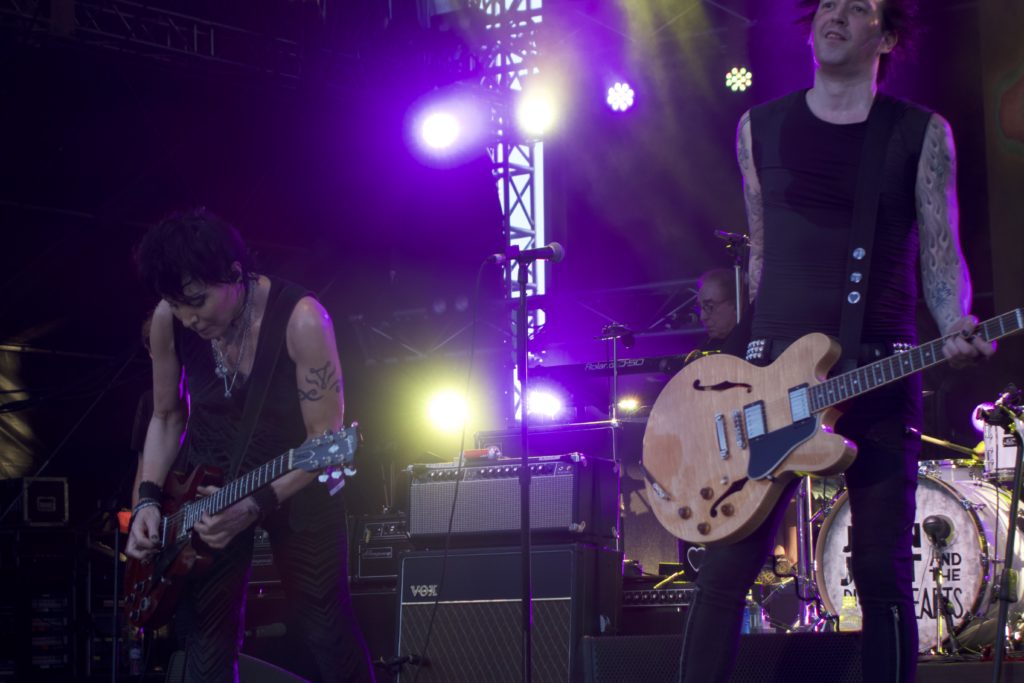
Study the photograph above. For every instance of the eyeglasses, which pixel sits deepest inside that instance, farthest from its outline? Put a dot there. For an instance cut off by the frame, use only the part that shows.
(709, 306)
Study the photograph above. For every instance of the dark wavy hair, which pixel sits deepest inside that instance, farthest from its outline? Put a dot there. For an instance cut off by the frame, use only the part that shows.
(191, 245)
(899, 17)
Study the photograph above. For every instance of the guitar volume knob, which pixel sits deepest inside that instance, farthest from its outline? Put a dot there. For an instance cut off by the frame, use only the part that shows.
(704, 528)
(685, 512)
(707, 493)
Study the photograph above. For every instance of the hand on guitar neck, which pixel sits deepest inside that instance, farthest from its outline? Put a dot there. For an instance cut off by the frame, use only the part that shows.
(962, 347)
(216, 531)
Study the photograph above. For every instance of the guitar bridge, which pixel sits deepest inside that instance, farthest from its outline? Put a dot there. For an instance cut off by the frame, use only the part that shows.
(723, 441)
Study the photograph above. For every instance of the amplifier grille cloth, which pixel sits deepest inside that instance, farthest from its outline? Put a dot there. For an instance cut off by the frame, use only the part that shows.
(491, 506)
(473, 642)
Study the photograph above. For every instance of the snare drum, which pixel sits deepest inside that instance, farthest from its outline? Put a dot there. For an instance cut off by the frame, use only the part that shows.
(1000, 454)
(950, 471)
(978, 512)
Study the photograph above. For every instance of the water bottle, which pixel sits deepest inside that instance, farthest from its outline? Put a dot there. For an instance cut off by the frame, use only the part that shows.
(849, 614)
(753, 617)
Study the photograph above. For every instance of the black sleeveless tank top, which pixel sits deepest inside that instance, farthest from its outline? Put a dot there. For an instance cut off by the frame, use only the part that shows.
(808, 174)
(214, 420)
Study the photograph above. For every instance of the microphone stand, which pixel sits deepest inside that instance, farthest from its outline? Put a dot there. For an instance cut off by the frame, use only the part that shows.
(524, 475)
(1003, 416)
(944, 618)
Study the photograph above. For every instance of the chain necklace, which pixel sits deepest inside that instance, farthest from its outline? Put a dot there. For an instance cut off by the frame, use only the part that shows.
(220, 358)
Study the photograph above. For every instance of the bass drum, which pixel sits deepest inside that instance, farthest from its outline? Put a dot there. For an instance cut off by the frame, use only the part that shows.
(978, 512)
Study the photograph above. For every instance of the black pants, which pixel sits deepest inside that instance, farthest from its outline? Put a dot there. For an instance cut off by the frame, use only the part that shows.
(308, 539)
(882, 482)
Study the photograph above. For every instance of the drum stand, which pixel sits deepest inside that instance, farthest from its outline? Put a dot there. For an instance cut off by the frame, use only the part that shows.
(939, 532)
(1006, 413)
(812, 617)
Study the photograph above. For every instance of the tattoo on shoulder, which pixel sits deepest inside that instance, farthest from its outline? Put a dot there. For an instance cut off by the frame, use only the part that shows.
(320, 381)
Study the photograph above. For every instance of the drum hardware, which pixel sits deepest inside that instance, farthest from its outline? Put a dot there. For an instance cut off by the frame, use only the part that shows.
(939, 530)
(1006, 413)
(812, 616)
(971, 559)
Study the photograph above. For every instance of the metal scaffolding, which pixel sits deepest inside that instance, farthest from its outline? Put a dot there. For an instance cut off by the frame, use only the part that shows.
(511, 55)
(159, 33)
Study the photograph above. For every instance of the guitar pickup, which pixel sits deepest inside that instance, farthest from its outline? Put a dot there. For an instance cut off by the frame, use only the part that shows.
(799, 403)
(753, 416)
(723, 441)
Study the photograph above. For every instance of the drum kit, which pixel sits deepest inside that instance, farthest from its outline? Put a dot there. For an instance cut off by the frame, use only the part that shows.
(959, 539)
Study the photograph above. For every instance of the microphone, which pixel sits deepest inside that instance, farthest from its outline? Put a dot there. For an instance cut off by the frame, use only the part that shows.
(553, 252)
(938, 529)
(732, 237)
(996, 415)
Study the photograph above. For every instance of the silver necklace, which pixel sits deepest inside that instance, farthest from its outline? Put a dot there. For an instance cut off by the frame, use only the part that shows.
(220, 359)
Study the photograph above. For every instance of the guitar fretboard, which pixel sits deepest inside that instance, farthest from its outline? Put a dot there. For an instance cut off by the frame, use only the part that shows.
(856, 382)
(181, 522)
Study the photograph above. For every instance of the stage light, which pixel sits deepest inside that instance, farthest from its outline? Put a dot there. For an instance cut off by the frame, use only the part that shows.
(739, 79)
(536, 111)
(448, 126)
(544, 403)
(447, 411)
(620, 97)
(439, 130)
(629, 404)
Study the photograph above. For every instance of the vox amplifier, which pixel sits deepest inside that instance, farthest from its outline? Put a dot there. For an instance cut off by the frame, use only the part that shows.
(572, 498)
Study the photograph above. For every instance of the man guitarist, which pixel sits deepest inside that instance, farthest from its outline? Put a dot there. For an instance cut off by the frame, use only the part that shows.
(799, 157)
(230, 336)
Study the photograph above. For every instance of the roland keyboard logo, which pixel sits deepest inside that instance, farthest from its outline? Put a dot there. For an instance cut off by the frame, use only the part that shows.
(426, 590)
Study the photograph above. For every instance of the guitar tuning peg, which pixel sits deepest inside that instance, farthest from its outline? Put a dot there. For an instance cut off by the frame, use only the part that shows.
(350, 471)
(322, 477)
(354, 425)
(335, 474)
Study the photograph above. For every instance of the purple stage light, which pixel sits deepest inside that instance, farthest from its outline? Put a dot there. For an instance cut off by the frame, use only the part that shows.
(448, 126)
(544, 403)
(440, 130)
(620, 97)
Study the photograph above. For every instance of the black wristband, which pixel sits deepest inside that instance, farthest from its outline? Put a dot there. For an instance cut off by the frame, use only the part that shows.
(266, 500)
(151, 490)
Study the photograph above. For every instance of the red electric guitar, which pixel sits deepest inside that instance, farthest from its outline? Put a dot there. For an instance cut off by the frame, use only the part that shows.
(152, 590)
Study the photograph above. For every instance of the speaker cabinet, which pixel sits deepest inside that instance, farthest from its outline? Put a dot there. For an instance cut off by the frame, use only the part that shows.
(472, 614)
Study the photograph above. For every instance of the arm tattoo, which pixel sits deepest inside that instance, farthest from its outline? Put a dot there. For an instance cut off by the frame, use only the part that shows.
(753, 201)
(742, 152)
(321, 381)
(944, 276)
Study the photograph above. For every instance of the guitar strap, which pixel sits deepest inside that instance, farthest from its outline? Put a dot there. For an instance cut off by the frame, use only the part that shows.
(881, 122)
(275, 324)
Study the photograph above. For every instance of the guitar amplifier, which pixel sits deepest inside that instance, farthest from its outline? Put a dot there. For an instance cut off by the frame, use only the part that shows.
(378, 541)
(462, 611)
(572, 498)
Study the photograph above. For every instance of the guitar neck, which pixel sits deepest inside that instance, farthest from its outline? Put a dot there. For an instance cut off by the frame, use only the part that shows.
(231, 493)
(897, 366)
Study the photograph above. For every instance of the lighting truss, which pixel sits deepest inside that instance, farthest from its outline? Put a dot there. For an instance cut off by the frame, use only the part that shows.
(511, 54)
(155, 32)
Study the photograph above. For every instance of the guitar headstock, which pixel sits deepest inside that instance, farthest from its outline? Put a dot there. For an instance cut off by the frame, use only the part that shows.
(328, 450)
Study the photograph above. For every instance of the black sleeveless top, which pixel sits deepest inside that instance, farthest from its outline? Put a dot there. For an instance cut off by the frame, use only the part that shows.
(214, 421)
(808, 174)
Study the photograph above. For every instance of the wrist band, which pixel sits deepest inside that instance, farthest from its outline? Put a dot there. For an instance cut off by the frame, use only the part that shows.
(143, 504)
(151, 490)
(266, 500)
